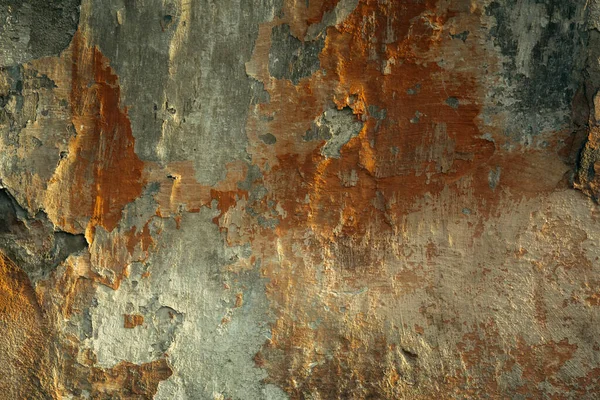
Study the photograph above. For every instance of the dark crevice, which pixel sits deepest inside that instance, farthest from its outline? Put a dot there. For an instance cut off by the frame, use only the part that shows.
(31, 241)
(410, 355)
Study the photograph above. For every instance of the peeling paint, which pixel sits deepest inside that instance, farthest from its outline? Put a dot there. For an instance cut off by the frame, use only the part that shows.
(299, 199)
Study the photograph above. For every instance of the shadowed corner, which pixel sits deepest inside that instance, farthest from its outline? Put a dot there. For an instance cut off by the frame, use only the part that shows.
(32, 242)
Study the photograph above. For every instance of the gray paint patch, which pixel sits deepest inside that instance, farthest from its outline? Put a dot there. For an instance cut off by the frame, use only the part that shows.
(268, 138)
(414, 90)
(31, 241)
(453, 102)
(291, 58)
(336, 127)
(35, 28)
(461, 36)
(331, 18)
(542, 44)
(416, 118)
(191, 312)
(494, 178)
(188, 84)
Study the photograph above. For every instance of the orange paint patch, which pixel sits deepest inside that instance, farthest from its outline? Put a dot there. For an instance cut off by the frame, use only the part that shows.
(102, 173)
(239, 300)
(24, 361)
(421, 137)
(141, 237)
(139, 381)
(180, 191)
(130, 321)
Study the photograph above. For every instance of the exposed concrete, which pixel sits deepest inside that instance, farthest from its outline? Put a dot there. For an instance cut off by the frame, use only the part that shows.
(543, 47)
(32, 242)
(35, 28)
(336, 127)
(331, 18)
(291, 58)
(191, 98)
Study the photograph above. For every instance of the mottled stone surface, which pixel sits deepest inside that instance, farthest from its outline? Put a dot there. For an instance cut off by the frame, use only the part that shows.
(281, 199)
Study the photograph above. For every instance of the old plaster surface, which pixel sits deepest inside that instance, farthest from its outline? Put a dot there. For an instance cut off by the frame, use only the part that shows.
(281, 199)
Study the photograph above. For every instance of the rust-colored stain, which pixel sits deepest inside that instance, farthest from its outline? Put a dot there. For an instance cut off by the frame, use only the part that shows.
(396, 161)
(429, 209)
(422, 139)
(239, 300)
(180, 191)
(102, 172)
(141, 237)
(130, 321)
(422, 146)
(24, 360)
(129, 381)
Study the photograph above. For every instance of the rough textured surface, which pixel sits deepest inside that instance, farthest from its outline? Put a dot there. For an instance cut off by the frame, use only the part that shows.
(281, 199)
(35, 28)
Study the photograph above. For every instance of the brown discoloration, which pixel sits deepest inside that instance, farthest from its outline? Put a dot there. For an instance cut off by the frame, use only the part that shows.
(436, 257)
(180, 191)
(24, 360)
(351, 223)
(142, 237)
(129, 381)
(102, 172)
(239, 300)
(541, 363)
(537, 364)
(416, 152)
(130, 321)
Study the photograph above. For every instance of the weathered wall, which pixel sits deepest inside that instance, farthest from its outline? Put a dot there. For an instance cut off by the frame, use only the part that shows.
(320, 199)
